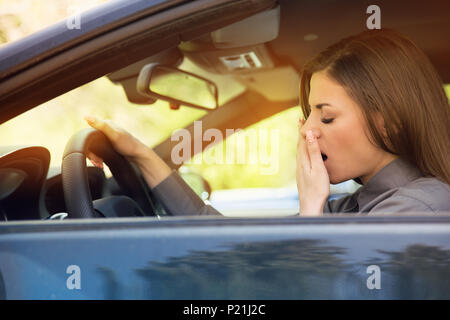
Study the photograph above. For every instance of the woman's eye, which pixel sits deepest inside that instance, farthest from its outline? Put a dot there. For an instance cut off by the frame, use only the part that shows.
(329, 120)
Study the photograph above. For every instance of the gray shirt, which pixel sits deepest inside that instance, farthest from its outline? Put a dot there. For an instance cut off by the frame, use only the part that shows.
(397, 188)
(179, 199)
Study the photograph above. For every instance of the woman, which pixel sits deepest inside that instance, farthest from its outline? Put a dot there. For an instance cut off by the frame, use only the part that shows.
(375, 112)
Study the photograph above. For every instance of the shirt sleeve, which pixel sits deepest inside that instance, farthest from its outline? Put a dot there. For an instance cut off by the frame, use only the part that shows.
(179, 199)
(346, 204)
(399, 204)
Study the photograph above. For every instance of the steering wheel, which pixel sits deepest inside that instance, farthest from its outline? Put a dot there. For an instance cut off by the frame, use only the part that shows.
(77, 194)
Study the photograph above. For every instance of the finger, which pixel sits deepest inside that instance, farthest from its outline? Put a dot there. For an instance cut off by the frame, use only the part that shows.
(302, 153)
(95, 160)
(301, 122)
(313, 150)
(92, 121)
(104, 126)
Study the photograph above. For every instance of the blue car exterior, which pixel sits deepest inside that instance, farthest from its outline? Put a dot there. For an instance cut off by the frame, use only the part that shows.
(217, 258)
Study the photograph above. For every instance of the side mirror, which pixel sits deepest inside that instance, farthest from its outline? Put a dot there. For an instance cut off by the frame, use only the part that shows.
(177, 87)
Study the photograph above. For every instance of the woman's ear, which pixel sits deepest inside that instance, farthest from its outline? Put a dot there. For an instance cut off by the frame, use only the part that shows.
(381, 128)
(380, 125)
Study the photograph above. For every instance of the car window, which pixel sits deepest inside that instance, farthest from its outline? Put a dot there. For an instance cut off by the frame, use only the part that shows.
(262, 155)
(270, 165)
(259, 176)
(53, 123)
(271, 168)
(264, 183)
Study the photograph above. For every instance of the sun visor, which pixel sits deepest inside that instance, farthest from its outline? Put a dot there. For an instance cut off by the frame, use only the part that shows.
(259, 28)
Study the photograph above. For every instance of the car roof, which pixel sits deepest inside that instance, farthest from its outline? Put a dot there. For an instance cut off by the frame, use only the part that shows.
(58, 37)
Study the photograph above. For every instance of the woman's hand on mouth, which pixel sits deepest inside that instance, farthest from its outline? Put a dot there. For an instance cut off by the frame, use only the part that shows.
(313, 182)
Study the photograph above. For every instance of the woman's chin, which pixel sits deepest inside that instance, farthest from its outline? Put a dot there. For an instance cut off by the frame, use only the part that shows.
(336, 180)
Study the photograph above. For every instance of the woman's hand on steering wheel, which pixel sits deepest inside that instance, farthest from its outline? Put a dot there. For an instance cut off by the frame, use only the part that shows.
(122, 141)
(152, 167)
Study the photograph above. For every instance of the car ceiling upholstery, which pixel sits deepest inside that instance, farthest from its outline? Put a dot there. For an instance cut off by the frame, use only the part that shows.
(425, 22)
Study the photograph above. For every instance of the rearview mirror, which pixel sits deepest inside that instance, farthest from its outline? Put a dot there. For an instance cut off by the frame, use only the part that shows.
(177, 87)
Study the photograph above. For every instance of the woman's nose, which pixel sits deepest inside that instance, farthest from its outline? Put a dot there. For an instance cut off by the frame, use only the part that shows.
(309, 125)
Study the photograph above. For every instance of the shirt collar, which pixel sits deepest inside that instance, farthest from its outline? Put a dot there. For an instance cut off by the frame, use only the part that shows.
(395, 174)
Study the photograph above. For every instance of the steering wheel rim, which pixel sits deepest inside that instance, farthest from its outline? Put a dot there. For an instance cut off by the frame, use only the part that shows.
(77, 194)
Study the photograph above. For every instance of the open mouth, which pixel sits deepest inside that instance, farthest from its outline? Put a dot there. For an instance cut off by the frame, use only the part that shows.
(324, 157)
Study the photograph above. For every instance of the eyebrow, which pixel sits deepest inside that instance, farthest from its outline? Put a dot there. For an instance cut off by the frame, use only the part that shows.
(320, 105)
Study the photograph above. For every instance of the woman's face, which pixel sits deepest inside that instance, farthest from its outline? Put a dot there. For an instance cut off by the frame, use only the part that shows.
(338, 123)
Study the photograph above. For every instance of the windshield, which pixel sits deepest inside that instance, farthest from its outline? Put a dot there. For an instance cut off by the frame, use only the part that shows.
(52, 123)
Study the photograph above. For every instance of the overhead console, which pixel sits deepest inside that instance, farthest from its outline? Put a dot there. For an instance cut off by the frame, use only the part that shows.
(237, 51)
(231, 61)
(237, 48)
(240, 51)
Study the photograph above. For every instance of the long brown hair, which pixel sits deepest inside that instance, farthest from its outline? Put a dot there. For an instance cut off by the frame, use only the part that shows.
(388, 75)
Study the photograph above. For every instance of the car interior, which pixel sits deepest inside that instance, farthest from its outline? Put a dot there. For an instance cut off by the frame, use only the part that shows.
(256, 47)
